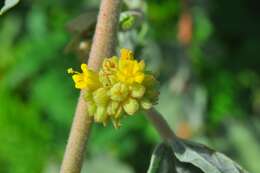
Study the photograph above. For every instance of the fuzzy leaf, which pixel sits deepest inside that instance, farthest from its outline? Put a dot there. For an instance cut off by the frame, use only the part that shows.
(164, 161)
(7, 5)
(191, 157)
(204, 158)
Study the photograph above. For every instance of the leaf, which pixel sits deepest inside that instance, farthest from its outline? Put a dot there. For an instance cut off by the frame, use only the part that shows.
(164, 161)
(191, 157)
(161, 160)
(7, 5)
(204, 158)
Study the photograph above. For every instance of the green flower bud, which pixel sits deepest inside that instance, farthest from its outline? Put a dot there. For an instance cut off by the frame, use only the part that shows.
(100, 114)
(128, 22)
(104, 79)
(137, 91)
(130, 19)
(112, 79)
(118, 92)
(112, 108)
(131, 106)
(152, 94)
(88, 96)
(100, 96)
(146, 104)
(92, 107)
(150, 81)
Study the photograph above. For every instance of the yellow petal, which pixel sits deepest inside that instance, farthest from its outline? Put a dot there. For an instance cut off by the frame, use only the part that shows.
(141, 65)
(80, 85)
(79, 81)
(139, 78)
(126, 54)
(84, 68)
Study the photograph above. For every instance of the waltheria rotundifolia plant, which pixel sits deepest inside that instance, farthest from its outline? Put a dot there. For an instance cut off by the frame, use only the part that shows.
(137, 91)
(103, 46)
(112, 87)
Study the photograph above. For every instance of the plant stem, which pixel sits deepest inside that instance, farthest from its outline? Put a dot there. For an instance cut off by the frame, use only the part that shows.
(103, 46)
(161, 125)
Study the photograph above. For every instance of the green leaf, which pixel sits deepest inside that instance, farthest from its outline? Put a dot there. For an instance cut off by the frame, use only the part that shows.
(164, 161)
(204, 158)
(7, 5)
(191, 157)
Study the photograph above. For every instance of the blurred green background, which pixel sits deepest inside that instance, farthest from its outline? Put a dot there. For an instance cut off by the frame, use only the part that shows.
(206, 57)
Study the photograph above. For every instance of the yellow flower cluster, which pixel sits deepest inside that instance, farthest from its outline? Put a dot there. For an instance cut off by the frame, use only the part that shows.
(121, 87)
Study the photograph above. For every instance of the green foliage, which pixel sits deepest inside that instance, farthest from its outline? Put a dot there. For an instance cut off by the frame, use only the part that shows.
(188, 157)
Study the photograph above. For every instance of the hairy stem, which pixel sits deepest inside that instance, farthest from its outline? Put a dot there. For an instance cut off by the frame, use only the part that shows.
(161, 125)
(103, 46)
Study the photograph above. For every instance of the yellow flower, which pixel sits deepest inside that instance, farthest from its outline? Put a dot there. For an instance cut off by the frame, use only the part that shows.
(109, 65)
(130, 71)
(108, 70)
(121, 87)
(88, 79)
(126, 54)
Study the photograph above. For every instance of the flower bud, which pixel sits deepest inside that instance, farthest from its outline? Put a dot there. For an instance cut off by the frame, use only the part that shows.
(118, 92)
(110, 64)
(112, 107)
(131, 106)
(100, 96)
(137, 90)
(92, 107)
(146, 104)
(150, 81)
(100, 114)
(127, 22)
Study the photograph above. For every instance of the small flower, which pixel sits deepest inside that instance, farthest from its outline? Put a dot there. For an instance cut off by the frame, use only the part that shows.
(126, 54)
(121, 87)
(130, 71)
(108, 70)
(88, 79)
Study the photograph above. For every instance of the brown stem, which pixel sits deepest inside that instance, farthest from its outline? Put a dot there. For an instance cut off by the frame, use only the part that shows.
(103, 46)
(161, 125)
